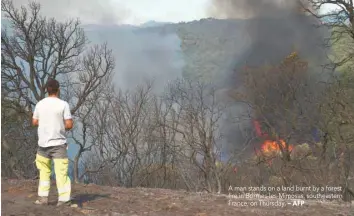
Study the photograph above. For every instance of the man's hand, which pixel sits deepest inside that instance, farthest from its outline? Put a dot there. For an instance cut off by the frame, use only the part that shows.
(35, 117)
(68, 124)
(35, 122)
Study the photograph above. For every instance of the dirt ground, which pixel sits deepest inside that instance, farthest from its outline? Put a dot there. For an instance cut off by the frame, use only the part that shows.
(17, 198)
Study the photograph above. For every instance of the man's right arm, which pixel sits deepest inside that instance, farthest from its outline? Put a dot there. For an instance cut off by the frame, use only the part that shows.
(35, 117)
(68, 121)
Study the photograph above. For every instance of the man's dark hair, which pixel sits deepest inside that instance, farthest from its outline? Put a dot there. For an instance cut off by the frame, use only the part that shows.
(52, 86)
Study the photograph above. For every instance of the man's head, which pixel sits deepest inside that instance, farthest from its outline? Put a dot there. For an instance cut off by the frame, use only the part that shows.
(52, 87)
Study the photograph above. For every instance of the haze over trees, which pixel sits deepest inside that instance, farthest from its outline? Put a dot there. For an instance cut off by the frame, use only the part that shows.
(289, 116)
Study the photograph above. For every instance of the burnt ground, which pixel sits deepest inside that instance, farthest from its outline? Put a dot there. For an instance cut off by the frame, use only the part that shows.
(17, 198)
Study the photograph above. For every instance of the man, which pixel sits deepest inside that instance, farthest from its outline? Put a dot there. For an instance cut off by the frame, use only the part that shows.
(52, 116)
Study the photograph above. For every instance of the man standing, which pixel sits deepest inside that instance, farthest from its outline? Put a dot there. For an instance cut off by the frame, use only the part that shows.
(52, 116)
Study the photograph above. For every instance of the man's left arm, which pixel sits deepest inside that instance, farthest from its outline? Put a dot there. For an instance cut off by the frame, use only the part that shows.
(68, 121)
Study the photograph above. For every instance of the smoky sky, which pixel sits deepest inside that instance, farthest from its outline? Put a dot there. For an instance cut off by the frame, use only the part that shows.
(88, 11)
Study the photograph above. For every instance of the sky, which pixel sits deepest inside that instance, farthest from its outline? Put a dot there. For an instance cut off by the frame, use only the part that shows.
(166, 10)
(134, 12)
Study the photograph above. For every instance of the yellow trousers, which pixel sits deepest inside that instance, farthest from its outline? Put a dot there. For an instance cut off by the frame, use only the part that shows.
(61, 167)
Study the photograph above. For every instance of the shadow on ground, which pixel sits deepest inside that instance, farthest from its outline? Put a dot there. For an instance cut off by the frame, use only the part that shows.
(83, 198)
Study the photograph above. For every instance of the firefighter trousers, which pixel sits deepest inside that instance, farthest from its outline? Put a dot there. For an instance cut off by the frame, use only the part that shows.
(61, 165)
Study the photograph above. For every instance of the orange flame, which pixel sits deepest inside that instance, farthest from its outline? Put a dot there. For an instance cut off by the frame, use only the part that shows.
(272, 146)
(269, 146)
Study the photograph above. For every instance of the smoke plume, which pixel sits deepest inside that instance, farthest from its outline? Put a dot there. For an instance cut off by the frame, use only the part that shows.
(275, 29)
(245, 9)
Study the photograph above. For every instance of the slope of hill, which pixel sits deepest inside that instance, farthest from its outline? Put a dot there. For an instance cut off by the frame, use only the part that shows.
(18, 197)
(208, 46)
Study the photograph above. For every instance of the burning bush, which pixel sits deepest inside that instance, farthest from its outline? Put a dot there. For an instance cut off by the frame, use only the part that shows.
(275, 146)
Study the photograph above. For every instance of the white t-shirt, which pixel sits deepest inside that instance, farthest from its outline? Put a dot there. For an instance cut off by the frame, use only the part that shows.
(51, 113)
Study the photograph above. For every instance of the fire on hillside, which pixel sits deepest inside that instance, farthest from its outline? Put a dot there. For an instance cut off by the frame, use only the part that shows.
(270, 146)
